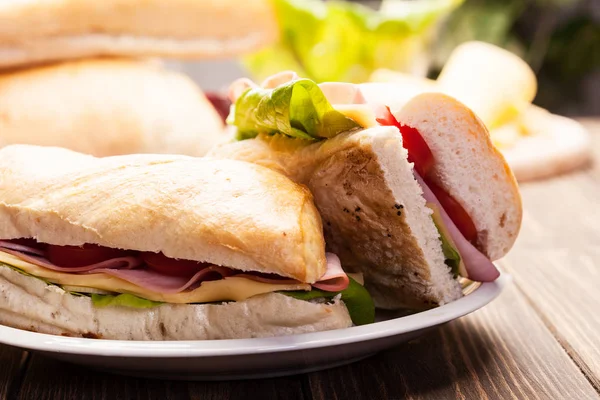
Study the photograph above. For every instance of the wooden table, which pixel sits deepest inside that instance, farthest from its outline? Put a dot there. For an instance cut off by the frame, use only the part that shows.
(540, 339)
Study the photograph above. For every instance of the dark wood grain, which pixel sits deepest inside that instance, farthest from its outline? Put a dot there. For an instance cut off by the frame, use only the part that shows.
(48, 379)
(501, 352)
(556, 260)
(11, 361)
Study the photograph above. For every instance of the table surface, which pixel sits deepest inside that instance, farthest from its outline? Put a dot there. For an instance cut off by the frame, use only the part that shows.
(540, 339)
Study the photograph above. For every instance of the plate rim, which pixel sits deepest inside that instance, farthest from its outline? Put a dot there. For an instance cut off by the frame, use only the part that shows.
(34, 341)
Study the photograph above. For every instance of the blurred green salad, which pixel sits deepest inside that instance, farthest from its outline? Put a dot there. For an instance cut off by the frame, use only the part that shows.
(341, 41)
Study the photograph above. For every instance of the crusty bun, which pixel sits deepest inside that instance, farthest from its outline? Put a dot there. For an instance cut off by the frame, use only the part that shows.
(469, 168)
(225, 212)
(495, 83)
(549, 145)
(32, 304)
(34, 31)
(374, 214)
(107, 107)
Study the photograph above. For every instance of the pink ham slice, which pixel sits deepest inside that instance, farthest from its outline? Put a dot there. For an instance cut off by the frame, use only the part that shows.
(335, 279)
(279, 79)
(123, 268)
(21, 248)
(238, 87)
(342, 93)
(113, 264)
(160, 283)
(335, 92)
(479, 267)
(268, 279)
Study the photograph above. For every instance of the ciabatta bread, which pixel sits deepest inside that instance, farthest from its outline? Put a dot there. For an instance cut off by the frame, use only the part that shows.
(227, 212)
(107, 107)
(32, 304)
(33, 31)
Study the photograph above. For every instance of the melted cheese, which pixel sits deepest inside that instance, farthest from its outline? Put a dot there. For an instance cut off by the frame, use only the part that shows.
(362, 114)
(232, 288)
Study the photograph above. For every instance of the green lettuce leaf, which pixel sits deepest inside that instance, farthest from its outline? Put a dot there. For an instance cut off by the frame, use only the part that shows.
(123, 300)
(342, 41)
(357, 299)
(451, 255)
(297, 108)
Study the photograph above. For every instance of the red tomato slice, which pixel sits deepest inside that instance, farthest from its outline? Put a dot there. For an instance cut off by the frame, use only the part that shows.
(79, 256)
(418, 150)
(420, 154)
(170, 266)
(456, 212)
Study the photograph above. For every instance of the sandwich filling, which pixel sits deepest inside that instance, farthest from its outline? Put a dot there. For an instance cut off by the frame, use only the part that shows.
(114, 277)
(302, 109)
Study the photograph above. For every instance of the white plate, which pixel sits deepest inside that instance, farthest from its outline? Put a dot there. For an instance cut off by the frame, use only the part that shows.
(248, 358)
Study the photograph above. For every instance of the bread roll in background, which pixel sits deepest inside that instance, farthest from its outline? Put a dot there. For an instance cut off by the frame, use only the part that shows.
(495, 83)
(551, 146)
(107, 107)
(34, 31)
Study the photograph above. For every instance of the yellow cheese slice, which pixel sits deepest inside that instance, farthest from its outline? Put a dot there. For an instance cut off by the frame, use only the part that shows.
(232, 288)
(362, 114)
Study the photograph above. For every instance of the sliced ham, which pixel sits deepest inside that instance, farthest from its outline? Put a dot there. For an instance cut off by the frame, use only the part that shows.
(479, 267)
(160, 283)
(126, 268)
(238, 87)
(342, 93)
(279, 79)
(21, 248)
(114, 263)
(268, 279)
(335, 279)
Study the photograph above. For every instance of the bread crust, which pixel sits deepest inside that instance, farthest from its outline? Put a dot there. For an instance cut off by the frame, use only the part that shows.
(34, 31)
(469, 168)
(359, 194)
(553, 145)
(224, 212)
(107, 107)
(495, 83)
(31, 304)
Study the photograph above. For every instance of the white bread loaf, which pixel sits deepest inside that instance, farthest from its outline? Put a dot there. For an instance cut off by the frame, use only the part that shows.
(495, 83)
(107, 107)
(33, 31)
(226, 212)
(32, 304)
